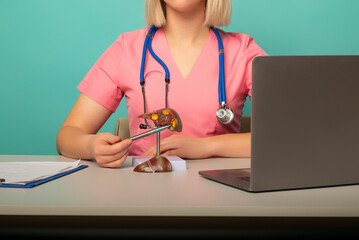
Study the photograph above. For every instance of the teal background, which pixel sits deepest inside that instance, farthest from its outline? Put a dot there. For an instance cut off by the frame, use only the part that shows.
(47, 47)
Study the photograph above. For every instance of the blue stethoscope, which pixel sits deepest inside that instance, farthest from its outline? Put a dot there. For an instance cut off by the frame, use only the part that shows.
(224, 114)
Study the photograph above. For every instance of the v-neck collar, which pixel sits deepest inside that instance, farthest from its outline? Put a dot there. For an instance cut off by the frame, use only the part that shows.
(171, 61)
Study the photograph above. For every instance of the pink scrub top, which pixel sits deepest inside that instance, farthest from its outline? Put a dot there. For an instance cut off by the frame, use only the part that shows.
(194, 98)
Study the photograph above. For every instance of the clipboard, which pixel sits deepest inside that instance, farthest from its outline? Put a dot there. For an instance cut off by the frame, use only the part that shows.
(38, 182)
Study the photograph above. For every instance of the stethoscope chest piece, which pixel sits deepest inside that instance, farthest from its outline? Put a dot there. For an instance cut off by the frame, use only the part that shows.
(224, 115)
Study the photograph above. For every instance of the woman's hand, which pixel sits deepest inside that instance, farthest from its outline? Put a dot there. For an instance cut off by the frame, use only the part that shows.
(108, 150)
(182, 146)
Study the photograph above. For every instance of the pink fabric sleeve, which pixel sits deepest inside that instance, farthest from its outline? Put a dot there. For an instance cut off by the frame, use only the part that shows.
(99, 84)
(252, 50)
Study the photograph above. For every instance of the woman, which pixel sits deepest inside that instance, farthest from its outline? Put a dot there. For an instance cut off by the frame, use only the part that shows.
(189, 47)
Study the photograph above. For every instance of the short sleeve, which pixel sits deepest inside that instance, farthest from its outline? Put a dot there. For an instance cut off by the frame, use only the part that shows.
(98, 84)
(252, 51)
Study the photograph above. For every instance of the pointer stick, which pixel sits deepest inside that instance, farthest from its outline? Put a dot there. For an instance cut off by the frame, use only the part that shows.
(145, 134)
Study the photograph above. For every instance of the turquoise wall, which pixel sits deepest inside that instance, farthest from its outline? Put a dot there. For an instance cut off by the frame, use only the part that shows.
(47, 47)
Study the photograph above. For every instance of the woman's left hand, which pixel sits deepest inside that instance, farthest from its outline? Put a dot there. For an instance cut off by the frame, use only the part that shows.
(182, 146)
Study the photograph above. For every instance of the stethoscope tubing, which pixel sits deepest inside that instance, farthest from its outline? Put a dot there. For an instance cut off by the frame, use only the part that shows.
(224, 119)
(221, 77)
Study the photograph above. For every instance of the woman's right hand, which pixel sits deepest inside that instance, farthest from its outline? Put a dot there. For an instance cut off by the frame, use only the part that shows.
(109, 150)
(77, 136)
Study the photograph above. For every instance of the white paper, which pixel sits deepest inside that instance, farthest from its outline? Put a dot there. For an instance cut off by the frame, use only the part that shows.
(25, 172)
(177, 162)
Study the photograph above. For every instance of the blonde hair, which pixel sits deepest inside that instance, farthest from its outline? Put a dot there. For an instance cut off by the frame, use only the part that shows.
(218, 13)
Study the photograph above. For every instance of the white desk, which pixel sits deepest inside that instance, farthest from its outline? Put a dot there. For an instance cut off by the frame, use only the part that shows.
(103, 197)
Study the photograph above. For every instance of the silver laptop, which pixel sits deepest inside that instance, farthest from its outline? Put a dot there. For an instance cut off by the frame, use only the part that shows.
(304, 125)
